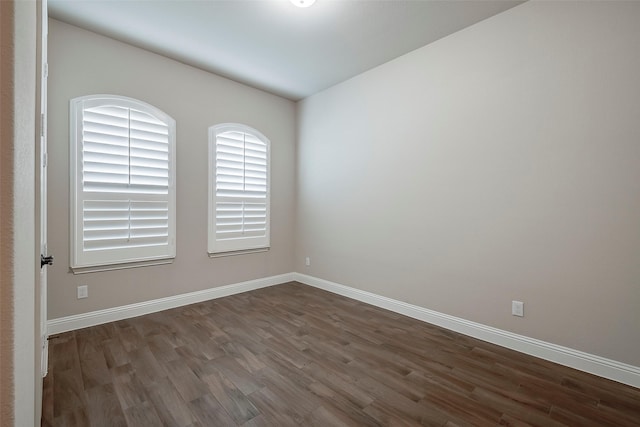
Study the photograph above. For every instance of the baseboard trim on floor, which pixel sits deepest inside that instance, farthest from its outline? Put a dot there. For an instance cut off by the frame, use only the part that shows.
(596, 365)
(93, 318)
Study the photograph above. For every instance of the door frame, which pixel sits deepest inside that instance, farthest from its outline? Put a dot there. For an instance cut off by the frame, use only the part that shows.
(44, 250)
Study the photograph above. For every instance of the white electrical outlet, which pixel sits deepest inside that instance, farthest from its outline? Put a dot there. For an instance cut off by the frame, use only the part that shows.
(307, 261)
(517, 308)
(83, 291)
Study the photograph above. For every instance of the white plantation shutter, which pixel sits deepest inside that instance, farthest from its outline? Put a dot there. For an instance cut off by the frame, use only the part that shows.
(239, 189)
(123, 157)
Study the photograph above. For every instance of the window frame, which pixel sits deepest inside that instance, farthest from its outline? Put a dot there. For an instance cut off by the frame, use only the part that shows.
(83, 261)
(225, 247)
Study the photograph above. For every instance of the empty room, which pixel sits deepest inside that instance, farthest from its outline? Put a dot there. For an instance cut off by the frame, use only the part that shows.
(321, 213)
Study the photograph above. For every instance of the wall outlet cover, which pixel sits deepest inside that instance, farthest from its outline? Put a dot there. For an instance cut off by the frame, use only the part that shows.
(83, 291)
(517, 308)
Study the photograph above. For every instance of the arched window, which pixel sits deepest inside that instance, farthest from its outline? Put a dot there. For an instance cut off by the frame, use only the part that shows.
(122, 182)
(238, 189)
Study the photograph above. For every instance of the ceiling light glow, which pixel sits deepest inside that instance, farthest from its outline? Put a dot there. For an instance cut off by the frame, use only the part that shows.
(303, 3)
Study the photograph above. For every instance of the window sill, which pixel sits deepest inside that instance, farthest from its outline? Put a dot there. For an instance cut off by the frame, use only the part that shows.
(121, 266)
(232, 253)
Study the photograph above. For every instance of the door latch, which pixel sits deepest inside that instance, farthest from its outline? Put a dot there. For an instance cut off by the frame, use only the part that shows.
(46, 260)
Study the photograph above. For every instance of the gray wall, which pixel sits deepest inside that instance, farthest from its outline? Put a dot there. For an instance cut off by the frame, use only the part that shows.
(499, 163)
(83, 63)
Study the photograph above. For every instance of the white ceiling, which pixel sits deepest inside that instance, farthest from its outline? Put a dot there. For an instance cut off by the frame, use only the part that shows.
(273, 45)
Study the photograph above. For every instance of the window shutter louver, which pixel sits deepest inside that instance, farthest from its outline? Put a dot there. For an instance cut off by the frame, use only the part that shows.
(240, 178)
(125, 204)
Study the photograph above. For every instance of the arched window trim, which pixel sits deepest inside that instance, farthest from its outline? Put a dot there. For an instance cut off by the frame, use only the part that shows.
(239, 242)
(110, 134)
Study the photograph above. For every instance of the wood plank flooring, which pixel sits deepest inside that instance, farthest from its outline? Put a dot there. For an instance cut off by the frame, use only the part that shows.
(293, 355)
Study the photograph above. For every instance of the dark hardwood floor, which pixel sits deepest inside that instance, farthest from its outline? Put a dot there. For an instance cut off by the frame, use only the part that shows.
(295, 355)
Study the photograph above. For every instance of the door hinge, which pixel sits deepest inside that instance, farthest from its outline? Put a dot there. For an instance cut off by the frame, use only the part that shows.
(42, 124)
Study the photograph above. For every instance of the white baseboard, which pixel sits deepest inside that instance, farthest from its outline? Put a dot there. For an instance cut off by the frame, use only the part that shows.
(606, 368)
(84, 320)
(596, 365)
